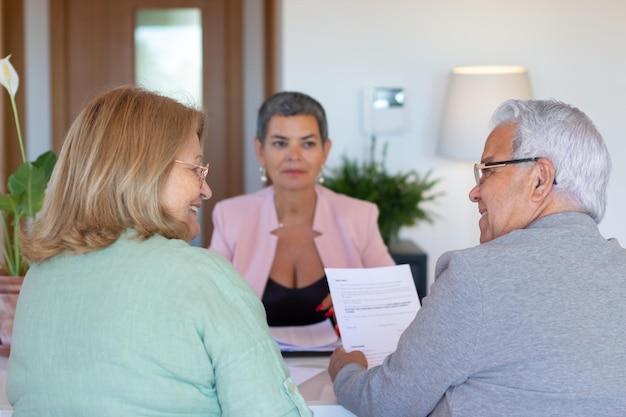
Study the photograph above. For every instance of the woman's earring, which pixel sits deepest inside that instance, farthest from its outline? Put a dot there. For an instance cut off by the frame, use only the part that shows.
(320, 176)
(263, 174)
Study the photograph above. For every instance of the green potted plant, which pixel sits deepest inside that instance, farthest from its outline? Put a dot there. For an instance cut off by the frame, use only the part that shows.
(399, 196)
(26, 191)
(26, 185)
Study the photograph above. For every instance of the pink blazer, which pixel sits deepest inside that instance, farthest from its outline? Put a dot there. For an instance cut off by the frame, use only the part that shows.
(349, 233)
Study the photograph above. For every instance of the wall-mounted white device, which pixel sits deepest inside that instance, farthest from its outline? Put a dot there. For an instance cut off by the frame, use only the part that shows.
(384, 110)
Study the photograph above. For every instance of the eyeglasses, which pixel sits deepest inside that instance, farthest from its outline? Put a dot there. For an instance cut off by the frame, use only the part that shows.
(201, 171)
(479, 169)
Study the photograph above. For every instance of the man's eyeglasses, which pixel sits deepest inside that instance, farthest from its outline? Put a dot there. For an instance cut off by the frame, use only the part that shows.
(201, 171)
(480, 169)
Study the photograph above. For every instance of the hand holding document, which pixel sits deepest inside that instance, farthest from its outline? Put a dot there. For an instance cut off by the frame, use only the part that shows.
(373, 307)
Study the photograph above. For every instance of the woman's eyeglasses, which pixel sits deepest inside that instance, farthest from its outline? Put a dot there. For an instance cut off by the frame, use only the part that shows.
(200, 170)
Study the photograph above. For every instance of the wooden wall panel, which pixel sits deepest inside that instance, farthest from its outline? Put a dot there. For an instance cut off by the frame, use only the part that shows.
(93, 50)
(11, 42)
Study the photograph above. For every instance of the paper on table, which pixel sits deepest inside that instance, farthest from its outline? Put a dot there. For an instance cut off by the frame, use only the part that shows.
(373, 307)
(313, 337)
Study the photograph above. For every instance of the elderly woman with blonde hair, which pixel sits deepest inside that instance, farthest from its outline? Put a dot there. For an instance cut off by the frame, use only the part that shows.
(118, 314)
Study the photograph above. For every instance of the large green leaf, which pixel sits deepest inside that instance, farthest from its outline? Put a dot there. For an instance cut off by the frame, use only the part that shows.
(46, 162)
(8, 204)
(27, 185)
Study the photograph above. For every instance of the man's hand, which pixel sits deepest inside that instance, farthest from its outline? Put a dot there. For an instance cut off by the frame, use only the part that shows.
(341, 358)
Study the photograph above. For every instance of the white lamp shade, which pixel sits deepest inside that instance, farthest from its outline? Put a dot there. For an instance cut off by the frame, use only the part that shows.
(473, 95)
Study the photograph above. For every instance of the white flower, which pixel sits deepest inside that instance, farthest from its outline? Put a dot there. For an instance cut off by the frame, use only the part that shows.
(8, 76)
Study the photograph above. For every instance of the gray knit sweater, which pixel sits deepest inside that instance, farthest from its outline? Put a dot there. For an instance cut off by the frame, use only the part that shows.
(530, 324)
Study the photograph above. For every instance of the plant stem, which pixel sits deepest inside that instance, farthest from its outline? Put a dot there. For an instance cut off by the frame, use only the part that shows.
(372, 149)
(7, 248)
(17, 255)
(17, 125)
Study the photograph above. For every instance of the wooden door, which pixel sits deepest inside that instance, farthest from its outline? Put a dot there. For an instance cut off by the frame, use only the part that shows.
(92, 49)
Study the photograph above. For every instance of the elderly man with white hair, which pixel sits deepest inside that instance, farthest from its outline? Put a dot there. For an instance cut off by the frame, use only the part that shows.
(531, 321)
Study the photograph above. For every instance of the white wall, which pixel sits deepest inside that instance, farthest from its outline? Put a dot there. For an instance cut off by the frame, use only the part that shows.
(574, 50)
(36, 79)
(253, 90)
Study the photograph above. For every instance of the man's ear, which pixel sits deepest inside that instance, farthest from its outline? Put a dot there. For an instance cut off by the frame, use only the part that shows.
(543, 177)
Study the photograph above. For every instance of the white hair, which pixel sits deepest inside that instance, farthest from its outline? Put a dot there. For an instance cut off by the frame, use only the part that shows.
(569, 139)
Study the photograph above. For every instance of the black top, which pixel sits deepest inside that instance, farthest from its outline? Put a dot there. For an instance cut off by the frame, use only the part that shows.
(294, 306)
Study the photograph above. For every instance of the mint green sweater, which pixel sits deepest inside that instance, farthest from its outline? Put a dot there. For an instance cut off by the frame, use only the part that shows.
(152, 328)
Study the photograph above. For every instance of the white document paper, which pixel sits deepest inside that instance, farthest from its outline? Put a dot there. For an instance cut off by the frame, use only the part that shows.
(318, 337)
(373, 307)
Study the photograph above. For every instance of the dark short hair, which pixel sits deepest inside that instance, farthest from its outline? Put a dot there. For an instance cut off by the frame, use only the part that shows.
(290, 103)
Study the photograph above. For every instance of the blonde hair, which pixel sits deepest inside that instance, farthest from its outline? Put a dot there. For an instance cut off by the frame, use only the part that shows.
(115, 158)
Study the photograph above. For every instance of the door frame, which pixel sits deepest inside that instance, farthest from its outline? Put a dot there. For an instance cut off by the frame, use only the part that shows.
(223, 87)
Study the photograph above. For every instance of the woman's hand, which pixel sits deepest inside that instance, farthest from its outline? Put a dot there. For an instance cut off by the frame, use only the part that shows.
(327, 306)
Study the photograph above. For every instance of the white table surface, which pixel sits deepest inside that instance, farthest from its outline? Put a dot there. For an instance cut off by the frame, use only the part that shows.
(317, 391)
